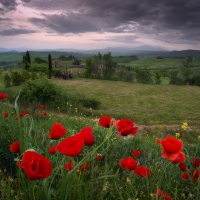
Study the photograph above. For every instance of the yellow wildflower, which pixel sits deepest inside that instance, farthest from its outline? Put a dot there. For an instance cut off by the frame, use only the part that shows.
(177, 135)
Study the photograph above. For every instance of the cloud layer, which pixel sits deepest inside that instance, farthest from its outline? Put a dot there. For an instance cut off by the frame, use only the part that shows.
(173, 22)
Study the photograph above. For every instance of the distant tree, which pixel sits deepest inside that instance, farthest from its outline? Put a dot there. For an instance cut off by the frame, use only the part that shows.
(175, 79)
(76, 62)
(143, 75)
(186, 69)
(39, 60)
(26, 61)
(88, 68)
(28, 57)
(50, 66)
(108, 70)
(157, 77)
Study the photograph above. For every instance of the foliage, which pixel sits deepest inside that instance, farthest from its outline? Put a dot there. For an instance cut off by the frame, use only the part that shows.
(88, 68)
(35, 67)
(125, 75)
(76, 62)
(40, 91)
(194, 80)
(157, 77)
(143, 75)
(26, 60)
(25, 75)
(50, 66)
(102, 66)
(16, 78)
(7, 80)
(175, 78)
(186, 69)
(39, 60)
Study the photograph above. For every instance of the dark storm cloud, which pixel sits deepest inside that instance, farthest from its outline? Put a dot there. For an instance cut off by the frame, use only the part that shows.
(26, 1)
(69, 23)
(7, 5)
(151, 17)
(14, 31)
(4, 19)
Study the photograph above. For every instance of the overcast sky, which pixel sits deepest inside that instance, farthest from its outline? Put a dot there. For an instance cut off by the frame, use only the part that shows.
(90, 24)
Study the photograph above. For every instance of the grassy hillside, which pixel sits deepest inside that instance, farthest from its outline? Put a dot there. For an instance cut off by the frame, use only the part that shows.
(145, 104)
(153, 62)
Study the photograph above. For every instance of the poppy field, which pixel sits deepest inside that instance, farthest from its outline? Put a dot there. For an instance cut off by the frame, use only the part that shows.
(55, 157)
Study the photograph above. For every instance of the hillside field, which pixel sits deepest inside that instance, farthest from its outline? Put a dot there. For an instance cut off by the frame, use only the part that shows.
(143, 103)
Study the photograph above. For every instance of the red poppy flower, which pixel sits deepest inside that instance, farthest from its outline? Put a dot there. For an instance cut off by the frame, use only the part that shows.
(128, 163)
(16, 118)
(106, 121)
(84, 167)
(71, 146)
(41, 106)
(52, 149)
(196, 162)
(87, 135)
(164, 195)
(171, 147)
(99, 157)
(144, 151)
(36, 114)
(195, 174)
(45, 113)
(136, 153)
(21, 114)
(126, 127)
(68, 166)
(182, 166)
(180, 158)
(26, 112)
(3, 96)
(57, 131)
(35, 165)
(15, 147)
(159, 192)
(58, 120)
(143, 171)
(185, 176)
(5, 114)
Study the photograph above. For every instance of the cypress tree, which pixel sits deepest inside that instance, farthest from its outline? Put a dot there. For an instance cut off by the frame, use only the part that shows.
(50, 66)
(28, 57)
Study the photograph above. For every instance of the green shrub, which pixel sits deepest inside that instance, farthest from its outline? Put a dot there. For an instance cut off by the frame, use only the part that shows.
(34, 76)
(40, 90)
(16, 78)
(25, 75)
(39, 60)
(35, 67)
(157, 77)
(143, 76)
(7, 80)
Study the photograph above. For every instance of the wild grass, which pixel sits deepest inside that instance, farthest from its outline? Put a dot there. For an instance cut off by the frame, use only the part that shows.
(143, 103)
(103, 179)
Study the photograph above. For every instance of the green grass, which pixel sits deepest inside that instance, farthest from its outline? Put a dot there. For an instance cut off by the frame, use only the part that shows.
(155, 63)
(103, 179)
(143, 103)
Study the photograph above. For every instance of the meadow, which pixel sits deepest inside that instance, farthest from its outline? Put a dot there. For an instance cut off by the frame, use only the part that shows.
(53, 156)
(140, 143)
(153, 63)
